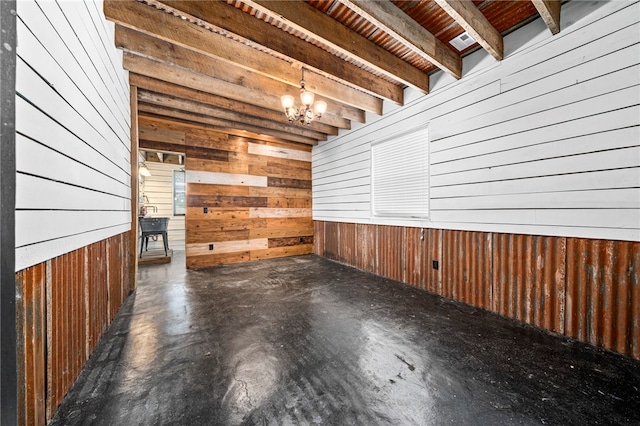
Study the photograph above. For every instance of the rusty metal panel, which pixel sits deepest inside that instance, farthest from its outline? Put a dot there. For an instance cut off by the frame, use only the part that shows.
(366, 247)
(62, 305)
(125, 266)
(318, 237)
(112, 281)
(503, 15)
(31, 324)
(529, 279)
(603, 294)
(507, 15)
(115, 259)
(347, 245)
(66, 354)
(414, 252)
(331, 240)
(97, 300)
(99, 267)
(391, 252)
(432, 276)
(123, 243)
(466, 267)
(127, 285)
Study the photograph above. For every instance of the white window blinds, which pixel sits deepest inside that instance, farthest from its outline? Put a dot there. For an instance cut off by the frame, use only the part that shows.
(400, 178)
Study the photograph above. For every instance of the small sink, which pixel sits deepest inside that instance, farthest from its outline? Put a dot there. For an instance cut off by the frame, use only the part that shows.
(151, 226)
(154, 224)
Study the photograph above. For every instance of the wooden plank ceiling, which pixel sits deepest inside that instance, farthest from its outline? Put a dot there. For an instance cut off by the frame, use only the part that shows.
(225, 64)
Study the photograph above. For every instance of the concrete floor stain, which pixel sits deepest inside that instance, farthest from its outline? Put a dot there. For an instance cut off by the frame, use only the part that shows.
(306, 341)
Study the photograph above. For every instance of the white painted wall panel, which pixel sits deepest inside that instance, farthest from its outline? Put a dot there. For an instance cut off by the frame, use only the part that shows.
(72, 124)
(86, 68)
(625, 137)
(593, 180)
(611, 121)
(35, 158)
(51, 194)
(545, 142)
(43, 225)
(158, 193)
(563, 107)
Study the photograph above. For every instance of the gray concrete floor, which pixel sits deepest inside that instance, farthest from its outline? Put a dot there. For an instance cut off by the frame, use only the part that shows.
(304, 340)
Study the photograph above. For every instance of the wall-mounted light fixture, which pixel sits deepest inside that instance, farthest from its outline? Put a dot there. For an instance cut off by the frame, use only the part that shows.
(144, 170)
(304, 113)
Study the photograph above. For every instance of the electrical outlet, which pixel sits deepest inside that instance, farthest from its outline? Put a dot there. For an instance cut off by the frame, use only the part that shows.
(435, 264)
(210, 246)
(206, 210)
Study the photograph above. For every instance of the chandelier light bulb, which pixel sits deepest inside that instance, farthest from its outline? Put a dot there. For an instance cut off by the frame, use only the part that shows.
(320, 107)
(307, 98)
(287, 101)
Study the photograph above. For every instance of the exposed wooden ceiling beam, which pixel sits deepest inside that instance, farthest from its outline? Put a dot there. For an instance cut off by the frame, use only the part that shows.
(153, 85)
(145, 45)
(324, 29)
(162, 25)
(549, 10)
(467, 15)
(158, 99)
(399, 25)
(152, 122)
(167, 27)
(193, 80)
(223, 125)
(262, 87)
(220, 15)
(170, 28)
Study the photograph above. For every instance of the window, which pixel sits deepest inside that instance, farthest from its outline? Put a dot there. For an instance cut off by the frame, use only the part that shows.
(399, 175)
(179, 193)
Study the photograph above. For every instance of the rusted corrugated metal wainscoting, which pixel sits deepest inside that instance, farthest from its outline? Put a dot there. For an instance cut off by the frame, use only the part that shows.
(63, 307)
(585, 289)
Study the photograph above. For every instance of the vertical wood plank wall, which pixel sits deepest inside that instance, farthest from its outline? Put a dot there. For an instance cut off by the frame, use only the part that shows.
(583, 288)
(64, 306)
(257, 193)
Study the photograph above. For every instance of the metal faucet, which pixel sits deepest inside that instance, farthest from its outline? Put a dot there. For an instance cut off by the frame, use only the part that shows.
(145, 201)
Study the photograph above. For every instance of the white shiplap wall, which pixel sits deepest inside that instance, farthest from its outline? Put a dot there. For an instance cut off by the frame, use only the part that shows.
(158, 190)
(72, 125)
(545, 142)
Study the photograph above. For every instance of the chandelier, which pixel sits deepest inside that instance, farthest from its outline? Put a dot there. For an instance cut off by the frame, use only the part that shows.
(304, 113)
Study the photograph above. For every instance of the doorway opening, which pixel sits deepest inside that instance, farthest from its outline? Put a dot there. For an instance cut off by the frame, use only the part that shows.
(161, 205)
